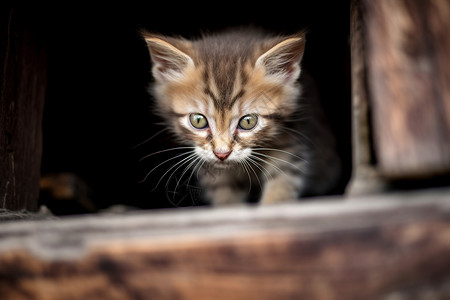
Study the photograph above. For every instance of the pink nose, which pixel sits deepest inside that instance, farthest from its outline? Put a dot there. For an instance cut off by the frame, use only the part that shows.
(222, 155)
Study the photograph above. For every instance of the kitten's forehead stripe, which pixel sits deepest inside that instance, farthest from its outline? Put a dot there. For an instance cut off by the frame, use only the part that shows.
(213, 97)
(224, 92)
(224, 58)
(221, 85)
(235, 98)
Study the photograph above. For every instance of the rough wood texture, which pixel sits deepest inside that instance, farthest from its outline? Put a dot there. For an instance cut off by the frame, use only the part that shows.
(22, 95)
(408, 46)
(365, 176)
(389, 247)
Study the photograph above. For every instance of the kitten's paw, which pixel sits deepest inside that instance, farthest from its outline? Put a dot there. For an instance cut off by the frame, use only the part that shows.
(227, 196)
(281, 189)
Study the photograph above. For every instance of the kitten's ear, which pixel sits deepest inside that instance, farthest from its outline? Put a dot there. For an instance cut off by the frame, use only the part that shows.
(282, 61)
(169, 61)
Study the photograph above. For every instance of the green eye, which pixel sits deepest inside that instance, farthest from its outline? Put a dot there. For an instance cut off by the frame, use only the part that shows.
(248, 122)
(198, 121)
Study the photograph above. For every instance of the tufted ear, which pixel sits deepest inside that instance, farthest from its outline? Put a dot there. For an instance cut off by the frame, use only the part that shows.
(169, 61)
(282, 61)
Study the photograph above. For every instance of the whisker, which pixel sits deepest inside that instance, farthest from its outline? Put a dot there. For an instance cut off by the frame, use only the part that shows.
(302, 114)
(167, 160)
(256, 175)
(172, 201)
(150, 138)
(294, 119)
(278, 159)
(243, 164)
(297, 138)
(278, 150)
(199, 168)
(171, 168)
(193, 162)
(302, 137)
(260, 167)
(165, 150)
(293, 133)
(180, 164)
(270, 164)
(199, 164)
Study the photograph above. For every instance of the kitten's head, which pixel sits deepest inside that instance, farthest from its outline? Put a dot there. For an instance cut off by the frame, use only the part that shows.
(226, 94)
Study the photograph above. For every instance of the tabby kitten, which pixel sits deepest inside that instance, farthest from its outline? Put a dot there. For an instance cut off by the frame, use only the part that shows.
(253, 129)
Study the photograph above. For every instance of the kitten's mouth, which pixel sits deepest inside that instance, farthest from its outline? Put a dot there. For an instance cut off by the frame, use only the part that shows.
(221, 164)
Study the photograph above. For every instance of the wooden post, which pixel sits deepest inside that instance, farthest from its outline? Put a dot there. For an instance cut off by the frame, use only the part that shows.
(365, 176)
(408, 63)
(22, 95)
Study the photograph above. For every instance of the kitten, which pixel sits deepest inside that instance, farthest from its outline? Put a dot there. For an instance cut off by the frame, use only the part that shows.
(255, 130)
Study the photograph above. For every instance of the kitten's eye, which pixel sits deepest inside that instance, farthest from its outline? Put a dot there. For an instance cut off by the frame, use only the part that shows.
(199, 121)
(248, 122)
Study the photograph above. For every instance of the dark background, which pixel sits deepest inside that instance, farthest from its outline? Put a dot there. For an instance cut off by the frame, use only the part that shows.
(97, 108)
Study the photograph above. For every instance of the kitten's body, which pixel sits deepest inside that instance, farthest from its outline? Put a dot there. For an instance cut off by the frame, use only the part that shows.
(265, 135)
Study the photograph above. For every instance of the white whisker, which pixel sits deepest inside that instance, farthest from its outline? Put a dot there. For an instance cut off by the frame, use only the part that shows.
(260, 167)
(193, 162)
(270, 164)
(171, 168)
(165, 150)
(256, 175)
(181, 163)
(279, 150)
(200, 167)
(199, 164)
(278, 159)
(150, 138)
(167, 160)
(243, 164)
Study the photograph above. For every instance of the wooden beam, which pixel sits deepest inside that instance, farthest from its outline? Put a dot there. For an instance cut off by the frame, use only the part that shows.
(22, 95)
(394, 245)
(408, 62)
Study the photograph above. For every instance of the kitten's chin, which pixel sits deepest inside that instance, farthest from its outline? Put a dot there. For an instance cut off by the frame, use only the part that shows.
(221, 165)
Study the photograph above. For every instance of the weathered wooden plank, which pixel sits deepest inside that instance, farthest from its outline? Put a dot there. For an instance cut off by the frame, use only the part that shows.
(408, 46)
(365, 176)
(22, 95)
(395, 245)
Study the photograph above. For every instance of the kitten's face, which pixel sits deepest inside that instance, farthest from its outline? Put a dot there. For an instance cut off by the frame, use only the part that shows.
(226, 94)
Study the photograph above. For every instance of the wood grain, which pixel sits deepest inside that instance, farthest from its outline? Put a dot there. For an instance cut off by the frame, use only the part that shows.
(365, 175)
(408, 46)
(22, 96)
(370, 249)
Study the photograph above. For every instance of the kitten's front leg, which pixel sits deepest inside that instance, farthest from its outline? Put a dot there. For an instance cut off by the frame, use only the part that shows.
(282, 188)
(226, 195)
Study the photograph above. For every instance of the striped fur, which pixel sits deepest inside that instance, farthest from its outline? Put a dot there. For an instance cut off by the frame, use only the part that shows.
(224, 77)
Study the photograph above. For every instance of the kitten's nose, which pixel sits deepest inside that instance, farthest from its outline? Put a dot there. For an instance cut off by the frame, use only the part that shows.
(222, 155)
